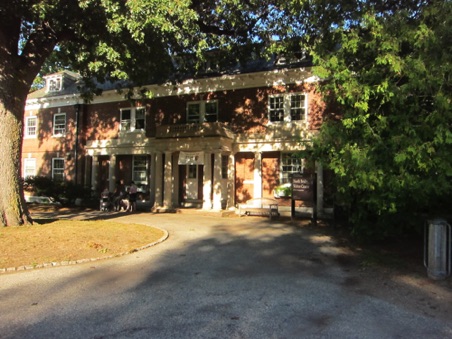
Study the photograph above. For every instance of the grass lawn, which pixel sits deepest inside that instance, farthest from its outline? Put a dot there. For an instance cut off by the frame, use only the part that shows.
(48, 241)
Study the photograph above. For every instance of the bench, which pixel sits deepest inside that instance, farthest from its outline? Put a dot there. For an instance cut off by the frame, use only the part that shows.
(260, 206)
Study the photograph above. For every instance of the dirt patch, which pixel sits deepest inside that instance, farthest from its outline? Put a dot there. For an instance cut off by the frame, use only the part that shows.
(394, 271)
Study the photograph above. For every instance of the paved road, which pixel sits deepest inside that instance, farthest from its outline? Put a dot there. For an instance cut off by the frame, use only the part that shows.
(212, 278)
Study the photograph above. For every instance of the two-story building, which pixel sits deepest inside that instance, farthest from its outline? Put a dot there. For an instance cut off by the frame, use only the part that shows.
(211, 141)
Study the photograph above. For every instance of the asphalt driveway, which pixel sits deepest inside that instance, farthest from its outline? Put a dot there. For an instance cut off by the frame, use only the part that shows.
(218, 278)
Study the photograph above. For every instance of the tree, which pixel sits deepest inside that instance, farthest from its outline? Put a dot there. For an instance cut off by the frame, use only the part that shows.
(391, 149)
(103, 40)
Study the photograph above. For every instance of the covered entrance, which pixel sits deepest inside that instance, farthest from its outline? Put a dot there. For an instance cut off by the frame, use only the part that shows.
(191, 174)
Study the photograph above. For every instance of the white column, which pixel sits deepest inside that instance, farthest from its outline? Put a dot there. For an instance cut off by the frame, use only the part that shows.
(112, 173)
(217, 191)
(94, 173)
(168, 181)
(231, 180)
(207, 182)
(158, 180)
(257, 175)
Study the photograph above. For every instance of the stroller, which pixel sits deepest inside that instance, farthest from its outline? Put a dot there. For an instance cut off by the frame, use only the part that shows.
(105, 201)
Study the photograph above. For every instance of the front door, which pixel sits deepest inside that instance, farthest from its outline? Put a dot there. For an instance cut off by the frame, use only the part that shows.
(244, 177)
(190, 182)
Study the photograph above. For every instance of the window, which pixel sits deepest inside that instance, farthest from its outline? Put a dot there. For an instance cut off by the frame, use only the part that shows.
(224, 166)
(59, 124)
(192, 171)
(133, 119)
(140, 165)
(290, 163)
(202, 111)
(276, 109)
(287, 107)
(54, 85)
(31, 127)
(29, 167)
(58, 169)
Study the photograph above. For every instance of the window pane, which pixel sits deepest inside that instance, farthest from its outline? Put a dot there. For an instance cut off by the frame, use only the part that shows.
(59, 124)
(291, 163)
(58, 169)
(297, 107)
(139, 118)
(192, 171)
(193, 113)
(211, 114)
(29, 167)
(30, 129)
(54, 85)
(126, 115)
(276, 108)
(140, 169)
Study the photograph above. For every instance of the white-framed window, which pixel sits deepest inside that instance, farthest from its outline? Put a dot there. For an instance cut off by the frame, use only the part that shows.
(202, 111)
(192, 171)
(133, 119)
(29, 167)
(59, 124)
(287, 107)
(31, 127)
(54, 84)
(58, 169)
(290, 163)
(140, 169)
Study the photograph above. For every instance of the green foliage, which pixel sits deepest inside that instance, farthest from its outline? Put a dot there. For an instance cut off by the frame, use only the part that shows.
(391, 152)
(65, 192)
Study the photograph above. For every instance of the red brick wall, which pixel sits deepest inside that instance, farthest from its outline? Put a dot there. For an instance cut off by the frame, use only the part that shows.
(45, 146)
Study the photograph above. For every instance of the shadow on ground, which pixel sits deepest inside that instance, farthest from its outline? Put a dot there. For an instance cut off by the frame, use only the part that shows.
(237, 278)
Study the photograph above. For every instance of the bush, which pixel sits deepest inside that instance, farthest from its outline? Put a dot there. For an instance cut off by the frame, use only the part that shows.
(65, 192)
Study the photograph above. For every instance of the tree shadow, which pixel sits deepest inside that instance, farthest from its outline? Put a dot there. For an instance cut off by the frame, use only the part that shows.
(243, 277)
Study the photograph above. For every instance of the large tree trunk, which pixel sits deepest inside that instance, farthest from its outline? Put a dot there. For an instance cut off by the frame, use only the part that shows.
(13, 209)
(17, 71)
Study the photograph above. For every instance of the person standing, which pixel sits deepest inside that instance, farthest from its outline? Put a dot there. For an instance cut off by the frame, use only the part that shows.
(133, 189)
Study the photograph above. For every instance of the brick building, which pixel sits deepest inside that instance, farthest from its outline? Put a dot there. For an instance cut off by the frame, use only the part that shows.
(210, 141)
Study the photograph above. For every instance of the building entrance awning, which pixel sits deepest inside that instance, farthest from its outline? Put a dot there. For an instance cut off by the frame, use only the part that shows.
(191, 158)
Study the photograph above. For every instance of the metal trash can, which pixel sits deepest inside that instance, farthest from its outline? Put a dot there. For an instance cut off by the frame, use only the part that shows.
(437, 249)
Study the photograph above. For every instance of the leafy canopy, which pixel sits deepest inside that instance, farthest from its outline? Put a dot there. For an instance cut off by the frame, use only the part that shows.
(391, 149)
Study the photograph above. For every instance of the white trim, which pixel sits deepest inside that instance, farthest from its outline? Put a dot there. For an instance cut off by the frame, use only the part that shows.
(53, 124)
(26, 127)
(287, 107)
(133, 120)
(53, 167)
(191, 86)
(26, 164)
(202, 110)
(146, 159)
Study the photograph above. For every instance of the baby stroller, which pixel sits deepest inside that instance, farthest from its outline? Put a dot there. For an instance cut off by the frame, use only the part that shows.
(105, 201)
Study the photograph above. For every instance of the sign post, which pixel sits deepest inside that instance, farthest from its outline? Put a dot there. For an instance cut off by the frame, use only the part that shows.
(303, 188)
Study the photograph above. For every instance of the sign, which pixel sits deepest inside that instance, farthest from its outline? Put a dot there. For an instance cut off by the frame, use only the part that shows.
(191, 158)
(303, 187)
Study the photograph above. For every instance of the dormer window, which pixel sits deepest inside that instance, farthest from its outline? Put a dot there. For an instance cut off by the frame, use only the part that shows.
(54, 84)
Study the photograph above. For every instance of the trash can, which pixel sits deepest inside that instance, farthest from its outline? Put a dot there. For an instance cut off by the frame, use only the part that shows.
(437, 249)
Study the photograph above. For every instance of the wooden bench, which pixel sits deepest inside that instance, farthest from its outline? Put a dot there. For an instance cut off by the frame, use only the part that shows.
(260, 206)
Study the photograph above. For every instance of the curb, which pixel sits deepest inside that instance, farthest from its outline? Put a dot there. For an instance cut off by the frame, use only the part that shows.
(82, 261)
